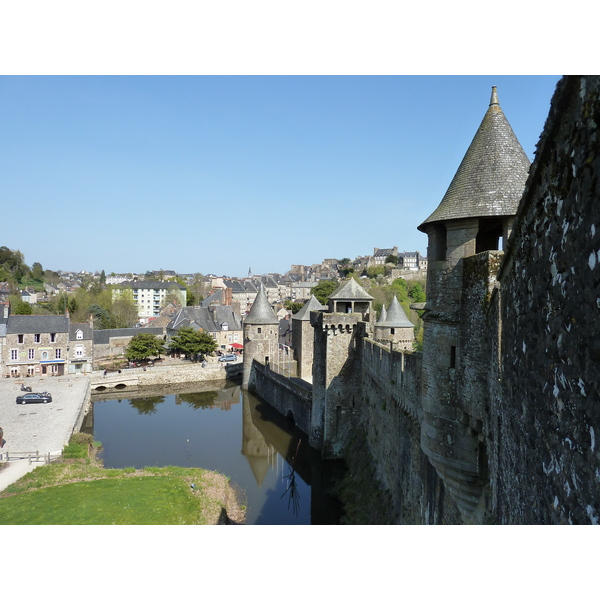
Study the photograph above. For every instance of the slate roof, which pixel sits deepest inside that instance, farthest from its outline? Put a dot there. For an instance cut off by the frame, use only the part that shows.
(102, 336)
(208, 319)
(491, 177)
(304, 313)
(38, 324)
(384, 252)
(350, 290)
(396, 317)
(382, 316)
(215, 297)
(261, 312)
(85, 328)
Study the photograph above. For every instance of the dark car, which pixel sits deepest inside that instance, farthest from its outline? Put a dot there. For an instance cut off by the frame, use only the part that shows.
(228, 358)
(34, 397)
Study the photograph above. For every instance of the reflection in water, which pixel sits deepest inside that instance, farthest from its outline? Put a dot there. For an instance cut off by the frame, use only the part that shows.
(146, 406)
(282, 478)
(292, 487)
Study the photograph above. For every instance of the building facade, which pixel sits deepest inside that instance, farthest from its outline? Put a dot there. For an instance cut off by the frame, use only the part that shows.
(150, 297)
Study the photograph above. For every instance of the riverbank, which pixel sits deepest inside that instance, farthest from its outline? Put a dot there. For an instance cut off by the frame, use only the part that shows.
(88, 494)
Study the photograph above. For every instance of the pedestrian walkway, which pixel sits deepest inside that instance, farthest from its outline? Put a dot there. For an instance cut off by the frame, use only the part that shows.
(13, 471)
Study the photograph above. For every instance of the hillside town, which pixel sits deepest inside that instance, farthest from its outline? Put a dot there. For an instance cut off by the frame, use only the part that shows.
(46, 329)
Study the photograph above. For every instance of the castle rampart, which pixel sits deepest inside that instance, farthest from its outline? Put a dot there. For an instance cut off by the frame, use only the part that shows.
(497, 422)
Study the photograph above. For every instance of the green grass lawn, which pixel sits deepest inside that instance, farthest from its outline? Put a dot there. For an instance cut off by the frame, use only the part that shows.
(129, 501)
(79, 491)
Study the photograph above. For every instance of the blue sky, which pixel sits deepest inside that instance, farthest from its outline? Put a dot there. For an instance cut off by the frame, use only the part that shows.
(216, 174)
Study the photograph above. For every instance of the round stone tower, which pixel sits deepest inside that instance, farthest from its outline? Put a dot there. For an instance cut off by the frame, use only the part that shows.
(476, 212)
(261, 335)
(394, 327)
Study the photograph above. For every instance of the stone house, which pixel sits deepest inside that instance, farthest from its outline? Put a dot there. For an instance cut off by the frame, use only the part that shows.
(220, 322)
(380, 255)
(111, 344)
(36, 345)
(81, 348)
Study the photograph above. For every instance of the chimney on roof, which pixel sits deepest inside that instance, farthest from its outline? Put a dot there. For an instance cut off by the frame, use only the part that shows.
(494, 98)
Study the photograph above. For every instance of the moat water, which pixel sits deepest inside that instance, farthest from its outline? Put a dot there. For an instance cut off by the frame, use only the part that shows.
(226, 430)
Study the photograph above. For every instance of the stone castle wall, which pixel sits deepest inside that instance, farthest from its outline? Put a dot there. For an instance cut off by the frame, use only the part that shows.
(283, 394)
(546, 400)
(499, 422)
(526, 414)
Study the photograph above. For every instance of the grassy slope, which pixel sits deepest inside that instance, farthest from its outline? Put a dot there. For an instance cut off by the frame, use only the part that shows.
(83, 493)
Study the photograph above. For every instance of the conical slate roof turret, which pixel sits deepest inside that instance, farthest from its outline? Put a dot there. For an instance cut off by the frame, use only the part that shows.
(304, 313)
(261, 312)
(396, 317)
(382, 316)
(350, 290)
(491, 177)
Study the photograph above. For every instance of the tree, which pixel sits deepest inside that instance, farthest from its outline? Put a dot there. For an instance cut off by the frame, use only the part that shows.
(373, 272)
(21, 308)
(416, 292)
(391, 259)
(100, 315)
(199, 287)
(123, 313)
(190, 342)
(324, 289)
(293, 306)
(37, 272)
(144, 345)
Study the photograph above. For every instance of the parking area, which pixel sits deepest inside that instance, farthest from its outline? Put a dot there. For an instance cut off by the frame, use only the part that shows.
(41, 427)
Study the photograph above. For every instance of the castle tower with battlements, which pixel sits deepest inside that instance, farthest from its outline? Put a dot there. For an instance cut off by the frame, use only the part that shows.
(464, 234)
(338, 335)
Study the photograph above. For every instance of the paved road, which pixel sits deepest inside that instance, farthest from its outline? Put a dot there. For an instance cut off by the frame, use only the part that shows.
(42, 427)
(38, 427)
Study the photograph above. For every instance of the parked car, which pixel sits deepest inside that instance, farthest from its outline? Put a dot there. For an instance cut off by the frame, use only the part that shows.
(34, 398)
(228, 358)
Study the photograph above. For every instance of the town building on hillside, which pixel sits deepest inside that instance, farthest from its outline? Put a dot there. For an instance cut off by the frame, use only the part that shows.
(4, 290)
(35, 345)
(243, 293)
(118, 279)
(81, 348)
(220, 322)
(150, 297)
(380, 255)
(411, 261)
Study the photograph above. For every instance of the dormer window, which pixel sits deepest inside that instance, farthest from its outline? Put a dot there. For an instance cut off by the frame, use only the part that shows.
(52, 338)
(79, 334)
(37, 338)
(224, 326)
